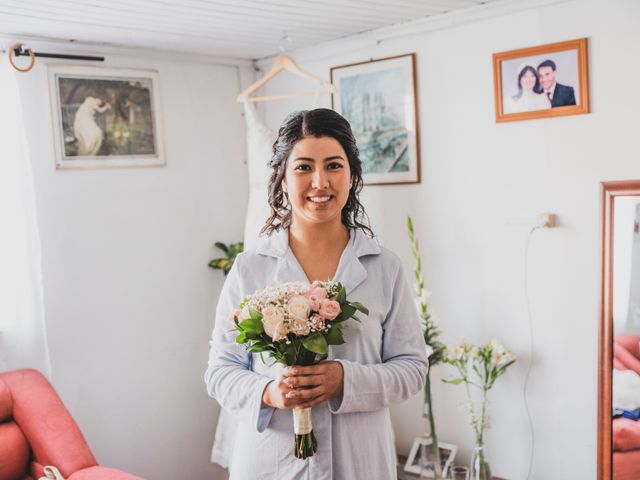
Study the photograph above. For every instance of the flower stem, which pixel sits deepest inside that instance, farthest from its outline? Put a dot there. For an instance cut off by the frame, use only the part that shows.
(432, 423)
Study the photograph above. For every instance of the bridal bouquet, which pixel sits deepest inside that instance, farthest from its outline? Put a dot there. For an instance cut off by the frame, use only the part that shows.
(294, 323)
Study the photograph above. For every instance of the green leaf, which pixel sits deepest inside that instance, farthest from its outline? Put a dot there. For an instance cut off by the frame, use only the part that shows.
(257, 348)
(360, 307)
(347, 311)
(255, 315)
(222, 247)
(241, 338)
(252, 325)
(334, 335)
(456, 381)
(316, 343)
(342, 295)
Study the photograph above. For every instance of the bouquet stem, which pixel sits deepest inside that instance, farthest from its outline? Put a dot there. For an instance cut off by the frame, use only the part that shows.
(305, 444)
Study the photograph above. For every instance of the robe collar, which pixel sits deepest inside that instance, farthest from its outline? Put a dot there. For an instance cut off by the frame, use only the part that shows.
(350, 273)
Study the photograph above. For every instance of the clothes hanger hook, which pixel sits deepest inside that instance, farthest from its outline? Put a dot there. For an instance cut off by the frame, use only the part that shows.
(283, 39)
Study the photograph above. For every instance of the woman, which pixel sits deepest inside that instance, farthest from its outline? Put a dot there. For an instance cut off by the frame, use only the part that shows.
(316, 232)
(85, 128)
(529, 96)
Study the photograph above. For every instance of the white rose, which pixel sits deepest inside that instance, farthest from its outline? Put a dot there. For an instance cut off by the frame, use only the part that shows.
(299, 308)
(273, 321)
(299, 326)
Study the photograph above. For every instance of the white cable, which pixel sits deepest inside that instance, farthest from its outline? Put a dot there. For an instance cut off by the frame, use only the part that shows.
(526, 378)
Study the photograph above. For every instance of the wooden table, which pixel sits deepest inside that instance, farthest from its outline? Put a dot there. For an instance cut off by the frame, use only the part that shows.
(402, 475)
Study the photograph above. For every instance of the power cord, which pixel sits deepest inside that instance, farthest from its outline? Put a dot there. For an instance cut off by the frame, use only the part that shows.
(526, 378)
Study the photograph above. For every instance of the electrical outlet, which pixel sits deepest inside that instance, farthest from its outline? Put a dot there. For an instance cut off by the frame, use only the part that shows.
(547, 220)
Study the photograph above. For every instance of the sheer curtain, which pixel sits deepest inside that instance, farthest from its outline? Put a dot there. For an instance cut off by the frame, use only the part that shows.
(23, 341)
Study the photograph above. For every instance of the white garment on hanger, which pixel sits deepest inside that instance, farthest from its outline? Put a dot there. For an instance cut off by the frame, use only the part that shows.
(260, 140)
(259, 150)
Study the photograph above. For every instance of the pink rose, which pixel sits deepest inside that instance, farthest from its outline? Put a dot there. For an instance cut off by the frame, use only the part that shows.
(319, 292)
(314, 302)
(329, 309)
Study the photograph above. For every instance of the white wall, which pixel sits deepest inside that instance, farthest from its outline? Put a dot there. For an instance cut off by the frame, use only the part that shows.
(475, 175)
(129, 297)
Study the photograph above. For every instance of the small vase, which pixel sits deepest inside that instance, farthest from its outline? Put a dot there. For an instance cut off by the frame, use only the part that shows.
(480, 469)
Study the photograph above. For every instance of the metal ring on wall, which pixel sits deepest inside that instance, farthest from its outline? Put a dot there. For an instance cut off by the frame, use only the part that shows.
(31, 55)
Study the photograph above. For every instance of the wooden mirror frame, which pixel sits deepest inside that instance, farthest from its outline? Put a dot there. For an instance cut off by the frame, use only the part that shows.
(610, 190)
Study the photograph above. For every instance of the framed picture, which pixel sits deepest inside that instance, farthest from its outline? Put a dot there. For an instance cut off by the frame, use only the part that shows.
(378, 98)
(105, 118)
(540, 82)
(447, 455)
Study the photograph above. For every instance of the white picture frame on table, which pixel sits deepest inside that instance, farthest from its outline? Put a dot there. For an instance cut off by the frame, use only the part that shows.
(105, 117)
(448, 453)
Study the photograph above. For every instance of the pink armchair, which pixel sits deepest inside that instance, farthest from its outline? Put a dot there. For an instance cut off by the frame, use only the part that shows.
(37, 430)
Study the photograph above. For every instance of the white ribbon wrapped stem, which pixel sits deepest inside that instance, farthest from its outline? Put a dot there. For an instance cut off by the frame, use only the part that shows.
(302, 421)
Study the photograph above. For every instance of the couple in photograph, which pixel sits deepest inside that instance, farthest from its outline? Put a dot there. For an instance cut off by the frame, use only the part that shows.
(539, 90)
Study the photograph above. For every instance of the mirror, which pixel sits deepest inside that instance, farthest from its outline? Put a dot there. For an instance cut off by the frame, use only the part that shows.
(619, 383)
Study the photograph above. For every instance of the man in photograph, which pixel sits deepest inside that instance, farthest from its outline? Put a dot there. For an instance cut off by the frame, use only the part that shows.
(559, 95)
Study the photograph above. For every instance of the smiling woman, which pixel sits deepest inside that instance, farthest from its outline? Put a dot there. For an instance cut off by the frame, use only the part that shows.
(315, 152)
(316, 232)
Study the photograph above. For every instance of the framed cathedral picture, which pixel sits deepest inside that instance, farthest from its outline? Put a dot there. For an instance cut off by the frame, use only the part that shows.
(379, 99)
(543, 81)
(105, 117)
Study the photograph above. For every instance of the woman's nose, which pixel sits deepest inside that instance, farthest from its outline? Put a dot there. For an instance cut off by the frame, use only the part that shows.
(320, 179)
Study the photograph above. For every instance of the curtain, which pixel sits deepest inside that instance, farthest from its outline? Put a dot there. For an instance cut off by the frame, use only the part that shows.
(23, 341)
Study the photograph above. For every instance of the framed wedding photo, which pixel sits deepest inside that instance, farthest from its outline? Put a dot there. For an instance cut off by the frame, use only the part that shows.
(540, 82)
(105, 118)
(448, 453)
(378, 98)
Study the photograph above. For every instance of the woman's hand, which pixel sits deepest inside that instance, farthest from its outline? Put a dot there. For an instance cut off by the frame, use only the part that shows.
(305, 387)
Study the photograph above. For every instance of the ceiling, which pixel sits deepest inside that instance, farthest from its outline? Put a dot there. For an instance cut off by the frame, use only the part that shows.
(247, 29)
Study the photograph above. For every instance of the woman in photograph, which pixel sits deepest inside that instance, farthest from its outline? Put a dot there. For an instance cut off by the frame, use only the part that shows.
(317, 231)
(85, 128)
(529, 95)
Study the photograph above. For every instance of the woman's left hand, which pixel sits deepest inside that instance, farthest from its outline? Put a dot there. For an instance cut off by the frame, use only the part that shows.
(325, 380)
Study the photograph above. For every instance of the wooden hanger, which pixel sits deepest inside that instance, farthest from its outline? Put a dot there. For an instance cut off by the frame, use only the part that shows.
(284, 62)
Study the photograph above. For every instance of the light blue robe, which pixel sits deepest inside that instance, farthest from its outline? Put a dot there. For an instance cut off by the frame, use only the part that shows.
(384, 361)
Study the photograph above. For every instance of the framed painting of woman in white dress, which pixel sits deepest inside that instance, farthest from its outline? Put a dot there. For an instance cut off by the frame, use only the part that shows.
(539, 82)
(105, 118)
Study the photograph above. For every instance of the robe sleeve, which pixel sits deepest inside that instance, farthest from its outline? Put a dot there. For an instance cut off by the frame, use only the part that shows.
(229, 378)
(402, 372)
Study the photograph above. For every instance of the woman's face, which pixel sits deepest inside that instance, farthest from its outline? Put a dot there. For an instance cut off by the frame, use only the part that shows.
(317, 180)
(528, 81)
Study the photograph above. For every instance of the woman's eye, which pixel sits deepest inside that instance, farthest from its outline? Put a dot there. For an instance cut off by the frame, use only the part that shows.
(335, 165)
(302, 167)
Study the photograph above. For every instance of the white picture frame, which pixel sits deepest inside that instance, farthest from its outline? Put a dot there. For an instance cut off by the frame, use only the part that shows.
(448, 453)
(105, 117)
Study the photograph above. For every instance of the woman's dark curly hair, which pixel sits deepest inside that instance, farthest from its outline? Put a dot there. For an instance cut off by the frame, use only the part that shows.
(321, 122)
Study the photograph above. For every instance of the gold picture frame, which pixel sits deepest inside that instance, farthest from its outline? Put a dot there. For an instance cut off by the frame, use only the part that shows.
(561, 81)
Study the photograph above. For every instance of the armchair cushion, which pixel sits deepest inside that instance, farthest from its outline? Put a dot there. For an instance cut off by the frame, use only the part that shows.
(53, 435)
(102, 473)
(14, 452)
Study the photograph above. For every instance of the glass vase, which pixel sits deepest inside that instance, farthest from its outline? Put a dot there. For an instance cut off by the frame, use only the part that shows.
(480, 469)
